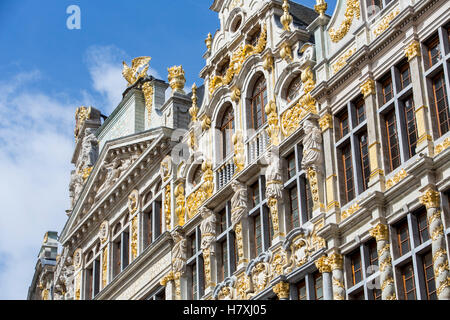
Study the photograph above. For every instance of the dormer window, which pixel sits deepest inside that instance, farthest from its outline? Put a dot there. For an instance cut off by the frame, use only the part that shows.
(223, 67)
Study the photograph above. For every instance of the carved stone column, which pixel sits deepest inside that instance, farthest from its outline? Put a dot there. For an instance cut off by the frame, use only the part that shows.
(326, 125)
(208, 232)
(323, 264)
(424, 141)
(370, 102)
(281, 289)
(239, 221)
(381, 233)
(274, 186)
(179, 256)
(337, 269)
(431, 199)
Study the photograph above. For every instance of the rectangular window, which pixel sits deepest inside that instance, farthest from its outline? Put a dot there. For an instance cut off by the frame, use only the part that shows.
(386, 87)
(222, 221)
(344, 125)
(349, 189)
(411, 129)
(405, 75)
(257, 236)
(194, 281)
(409, 287)
(96, 276)
(117, 258)
(373, 254)
(291, 166)
(318, 289)
(309, 200)
(89, 283)
(376, 294)
(269, 224)
(293, 202)
(403, 238)
(224, 267)
(148, 228)
(392, 139)
(355, 260)
(422, 226)
(125, 250)
(254, 194)
(358, 296)
(441, 103)
(365, 165)
(301, 290)
(428, 271)
(360, 111)
(193, 243)
(434, 52)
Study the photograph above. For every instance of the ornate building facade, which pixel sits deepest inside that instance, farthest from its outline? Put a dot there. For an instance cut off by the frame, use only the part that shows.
(313, 163)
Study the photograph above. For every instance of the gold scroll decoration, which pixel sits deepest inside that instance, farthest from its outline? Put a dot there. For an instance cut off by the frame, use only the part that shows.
(351, 11)
(237, 60)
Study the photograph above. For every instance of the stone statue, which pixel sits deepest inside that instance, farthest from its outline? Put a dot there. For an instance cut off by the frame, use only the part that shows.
(166, 168)
(75, 187)
(274, 178)
(207, 227)
(312, 146)
(67, 279)
(179, 254)
(238, 202)
(113, 174)
(89, 150)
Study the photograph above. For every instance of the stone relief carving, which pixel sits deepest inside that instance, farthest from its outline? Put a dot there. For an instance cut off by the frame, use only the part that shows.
(179, 254)
(207, 228)
(274, 178)
(225, 290)
(113, 172)
(312, 144)
(64, 277)
(75, 188)
(238, 202)
(259, 273)
(89, 149)
(166, 168)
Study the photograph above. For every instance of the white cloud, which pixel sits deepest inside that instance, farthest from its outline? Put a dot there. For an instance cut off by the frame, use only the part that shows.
(36, 143)
(105, 67)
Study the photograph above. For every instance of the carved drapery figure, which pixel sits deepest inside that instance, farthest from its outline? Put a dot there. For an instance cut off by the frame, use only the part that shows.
(75, 187)
(179, 252)
(312, 146)
(207, 227)
(89, 149)
(274, 188)
(238, 202)
(166, 168)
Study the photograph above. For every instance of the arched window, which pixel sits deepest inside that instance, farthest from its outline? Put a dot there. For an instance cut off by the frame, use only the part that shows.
(258, 102)
(227, 130)
(294, 89)
(197, 176)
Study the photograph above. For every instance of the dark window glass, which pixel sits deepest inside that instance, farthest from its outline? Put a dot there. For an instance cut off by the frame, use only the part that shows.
(387, 89)
(193, 243)
(410, 125)
(301, 290)
(258, 102)
(348, 173)
(409, 287)
(392, 137)
(291, 166)
(422, 225)
(227, 129)
(428, 271)
(344, 125)
(194, 281)
(373, 254)
(441, 103)
(365, 165)
(293, 202)
(257, 236)
(373, 7)
(403, 238)
(405, 75)
(148, 228)
(355, 260)
(309, 200)
(318, 289)
(376, 294)
(254, 194)
(222, 221)
(434, 52)
(224, 266)
(197, 176)
(360, 111)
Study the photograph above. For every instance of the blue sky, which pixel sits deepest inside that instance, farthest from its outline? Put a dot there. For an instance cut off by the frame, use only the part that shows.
(46, 71)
